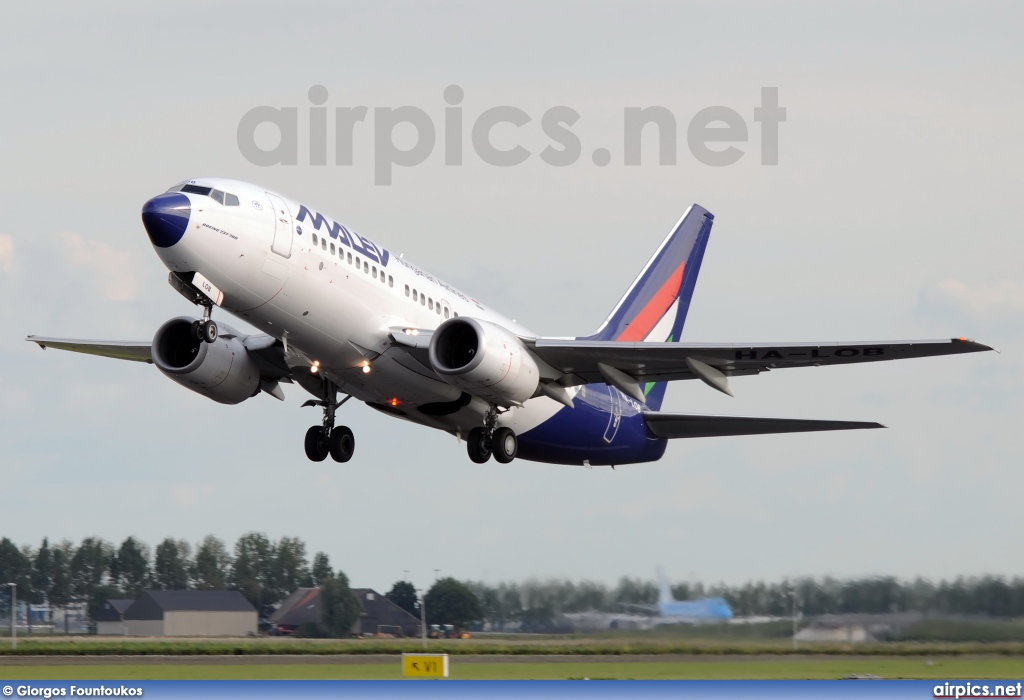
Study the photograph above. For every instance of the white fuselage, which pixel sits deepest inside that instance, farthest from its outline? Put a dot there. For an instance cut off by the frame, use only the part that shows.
(333, 300)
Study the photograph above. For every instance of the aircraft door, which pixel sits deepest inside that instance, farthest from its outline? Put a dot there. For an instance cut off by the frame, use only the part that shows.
(614, 414)
(283, 227)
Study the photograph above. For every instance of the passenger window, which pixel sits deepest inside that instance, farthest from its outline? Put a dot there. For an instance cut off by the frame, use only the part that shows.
(430, 304)
(218, 195)
(455, 314)
(315, 240)
(358, 263)
(366, 267)
(230, 199)
(406, 290)
(415, 295)
(391, 280)
(323, 243)
(446, 313)
(438, 308)
(332, 249)
(350, 258)
(374, 272)
(423, 300)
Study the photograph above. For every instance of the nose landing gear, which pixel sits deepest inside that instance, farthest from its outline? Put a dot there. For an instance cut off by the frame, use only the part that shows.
(325, 439)
(490, 440)
(205, 329)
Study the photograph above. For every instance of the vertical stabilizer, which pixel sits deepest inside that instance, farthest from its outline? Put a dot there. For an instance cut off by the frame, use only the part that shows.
(664, 591)
(654, 307)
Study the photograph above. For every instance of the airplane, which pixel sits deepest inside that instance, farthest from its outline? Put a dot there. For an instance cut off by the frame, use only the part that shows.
(343, 317)
(671, 610)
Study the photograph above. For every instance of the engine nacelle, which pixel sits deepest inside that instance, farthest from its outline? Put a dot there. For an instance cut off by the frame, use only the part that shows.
(484, 359)
(222, 370)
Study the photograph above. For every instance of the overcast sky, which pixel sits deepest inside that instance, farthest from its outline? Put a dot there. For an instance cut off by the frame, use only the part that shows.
(894, 213)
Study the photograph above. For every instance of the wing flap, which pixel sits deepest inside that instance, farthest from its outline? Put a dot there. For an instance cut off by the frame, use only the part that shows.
(683, 425)
(136, 351)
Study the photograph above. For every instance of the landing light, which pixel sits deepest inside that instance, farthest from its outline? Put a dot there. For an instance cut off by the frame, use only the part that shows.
(315, 367)
(393, 402)
(366, 368)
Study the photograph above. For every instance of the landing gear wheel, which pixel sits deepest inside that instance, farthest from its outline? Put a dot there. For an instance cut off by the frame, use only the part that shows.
(208, 331)
(478, 446)
(342, 443)
(504, 445)
(317, 443)
(197, 332)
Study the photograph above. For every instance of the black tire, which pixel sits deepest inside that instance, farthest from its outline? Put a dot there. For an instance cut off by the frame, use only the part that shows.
(343, 444)
(197, 329)
(209, 331)
(504, 445)
(317, 445)
(478, 446)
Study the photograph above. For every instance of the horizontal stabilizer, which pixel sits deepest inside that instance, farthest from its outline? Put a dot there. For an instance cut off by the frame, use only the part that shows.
(683, 425)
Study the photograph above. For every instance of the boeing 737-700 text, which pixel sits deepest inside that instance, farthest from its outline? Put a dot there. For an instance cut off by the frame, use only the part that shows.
(343, 317)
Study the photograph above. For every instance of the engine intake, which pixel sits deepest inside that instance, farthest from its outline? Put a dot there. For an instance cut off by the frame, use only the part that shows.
(485, 360)
(222, 370)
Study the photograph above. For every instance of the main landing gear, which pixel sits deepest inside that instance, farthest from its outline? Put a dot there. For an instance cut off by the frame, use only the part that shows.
(490, 440)
(326, 439)
(205, 329)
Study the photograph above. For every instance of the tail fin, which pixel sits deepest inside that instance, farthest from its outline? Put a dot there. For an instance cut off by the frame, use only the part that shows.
(654, 307)
(664, 592)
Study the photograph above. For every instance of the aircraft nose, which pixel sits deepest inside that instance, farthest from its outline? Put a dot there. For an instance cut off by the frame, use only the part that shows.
(166, 218)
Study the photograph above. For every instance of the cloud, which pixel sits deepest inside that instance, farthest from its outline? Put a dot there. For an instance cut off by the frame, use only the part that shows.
(994, 304)
(6, 253)
(112, 267)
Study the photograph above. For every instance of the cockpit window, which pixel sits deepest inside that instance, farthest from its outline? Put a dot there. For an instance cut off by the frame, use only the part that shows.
(225, 198)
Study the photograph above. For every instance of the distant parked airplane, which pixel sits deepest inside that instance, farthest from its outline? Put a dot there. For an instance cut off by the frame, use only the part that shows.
(668, 610)
(702, 610)
(341, 315)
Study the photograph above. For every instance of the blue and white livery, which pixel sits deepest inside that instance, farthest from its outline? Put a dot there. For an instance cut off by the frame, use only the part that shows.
(343, 317)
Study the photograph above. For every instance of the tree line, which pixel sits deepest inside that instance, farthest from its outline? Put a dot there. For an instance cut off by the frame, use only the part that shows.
(266, 571)
(537, 605)
(95, 570)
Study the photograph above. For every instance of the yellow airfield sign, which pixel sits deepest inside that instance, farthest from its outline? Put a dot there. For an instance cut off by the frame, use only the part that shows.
(425, 665)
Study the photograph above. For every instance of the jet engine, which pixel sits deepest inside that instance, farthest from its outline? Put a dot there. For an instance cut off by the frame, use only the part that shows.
(221, 370)
(485, 360)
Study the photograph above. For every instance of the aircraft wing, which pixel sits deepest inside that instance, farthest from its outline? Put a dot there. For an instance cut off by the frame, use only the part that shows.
(588, 361)
(135, 350)
(682, 425)
(267, 351)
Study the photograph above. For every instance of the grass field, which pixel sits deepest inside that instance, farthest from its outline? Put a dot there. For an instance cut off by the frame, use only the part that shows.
(511, 668)
(494, 645)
